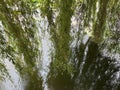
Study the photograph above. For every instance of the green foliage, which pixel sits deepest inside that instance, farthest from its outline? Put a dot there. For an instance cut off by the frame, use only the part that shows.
(113, 28)
(22, 32)
(62, 67)
(19, 36)
(19, 40)
(94, 14)
(3, 71)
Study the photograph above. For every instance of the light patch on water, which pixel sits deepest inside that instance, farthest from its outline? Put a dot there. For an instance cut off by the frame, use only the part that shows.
(14, 81)
(115, 78)
(42, 26)
(45, 61)
(97, 5)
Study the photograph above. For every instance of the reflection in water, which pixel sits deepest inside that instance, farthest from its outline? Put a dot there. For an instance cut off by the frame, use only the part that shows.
(45, 48)
(94, 70)
(13, 82)
(102, 74)
(45, 59)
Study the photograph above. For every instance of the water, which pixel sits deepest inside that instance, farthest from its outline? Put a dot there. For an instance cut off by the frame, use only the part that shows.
(14, 81)
(94, 71)
(42, 25)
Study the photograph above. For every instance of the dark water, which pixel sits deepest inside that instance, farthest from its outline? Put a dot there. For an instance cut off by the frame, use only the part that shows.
(94, 71)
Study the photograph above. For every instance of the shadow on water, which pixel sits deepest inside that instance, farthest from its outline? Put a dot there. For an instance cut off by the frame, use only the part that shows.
(34, 81)
(60, 81)
(98, 72)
